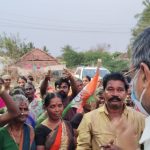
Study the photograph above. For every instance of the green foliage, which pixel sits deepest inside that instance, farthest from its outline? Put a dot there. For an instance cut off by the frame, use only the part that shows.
(116, 54)
(117, 65)
(45, 49)
(143, 19)
(13, 47)
(89, 58)
(71, 57)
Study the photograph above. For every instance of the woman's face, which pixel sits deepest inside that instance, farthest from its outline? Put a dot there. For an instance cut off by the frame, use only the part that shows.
(79, 85)
(29, 91)
(24, 111)
(21, 82)
(55, 108)
(85, 81)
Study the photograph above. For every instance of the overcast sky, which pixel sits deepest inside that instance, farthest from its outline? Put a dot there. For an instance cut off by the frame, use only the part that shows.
(83, 24)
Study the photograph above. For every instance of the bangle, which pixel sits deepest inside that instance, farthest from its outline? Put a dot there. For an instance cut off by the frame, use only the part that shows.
(2, 89)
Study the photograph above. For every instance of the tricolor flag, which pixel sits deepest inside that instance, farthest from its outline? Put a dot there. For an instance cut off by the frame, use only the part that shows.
(80, 100)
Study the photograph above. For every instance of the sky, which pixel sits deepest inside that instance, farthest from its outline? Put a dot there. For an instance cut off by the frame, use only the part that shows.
(82, 24)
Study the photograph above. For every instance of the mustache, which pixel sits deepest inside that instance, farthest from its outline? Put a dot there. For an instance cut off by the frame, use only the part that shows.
(62, 94)
(114, 98)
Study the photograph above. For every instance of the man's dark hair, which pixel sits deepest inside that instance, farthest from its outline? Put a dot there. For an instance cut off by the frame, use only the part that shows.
(30, 83)
(88, 77)
(115, 76)
(23, 78)
(60, 81)
(30, 77)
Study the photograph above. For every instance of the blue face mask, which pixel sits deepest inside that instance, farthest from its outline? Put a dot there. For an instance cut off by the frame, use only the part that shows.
(138, 103)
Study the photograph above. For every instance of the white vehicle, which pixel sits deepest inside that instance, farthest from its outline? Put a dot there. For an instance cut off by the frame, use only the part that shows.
(90, 71)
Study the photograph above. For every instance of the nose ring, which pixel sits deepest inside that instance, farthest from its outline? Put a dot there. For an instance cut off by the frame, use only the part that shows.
(22, 113)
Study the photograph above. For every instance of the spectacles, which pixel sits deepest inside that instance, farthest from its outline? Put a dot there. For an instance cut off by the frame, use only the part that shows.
(130, 72)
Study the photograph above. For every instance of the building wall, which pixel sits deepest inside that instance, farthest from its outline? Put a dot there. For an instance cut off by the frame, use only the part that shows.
(36, 59)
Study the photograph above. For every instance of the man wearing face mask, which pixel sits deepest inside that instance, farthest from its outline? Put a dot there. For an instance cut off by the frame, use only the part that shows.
(141, 82)
(96, 128)
(137, 101)
(140, 93)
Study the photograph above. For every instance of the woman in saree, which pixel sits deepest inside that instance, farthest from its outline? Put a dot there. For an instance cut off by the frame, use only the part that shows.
(54, 133)
(17, 135)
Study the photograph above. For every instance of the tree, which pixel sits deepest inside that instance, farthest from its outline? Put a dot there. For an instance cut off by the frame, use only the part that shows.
(45, 49)
(13, 47)
(90, 57)
(71, 57)
(143, 19)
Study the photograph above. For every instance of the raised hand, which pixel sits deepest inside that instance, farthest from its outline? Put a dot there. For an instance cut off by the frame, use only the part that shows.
(67, 74)
(48, 76)
(110, 146)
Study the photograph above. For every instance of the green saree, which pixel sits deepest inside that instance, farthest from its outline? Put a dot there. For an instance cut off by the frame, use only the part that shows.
(8, 143)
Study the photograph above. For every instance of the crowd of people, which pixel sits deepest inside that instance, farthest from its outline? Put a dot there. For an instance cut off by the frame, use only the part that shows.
(117, 118)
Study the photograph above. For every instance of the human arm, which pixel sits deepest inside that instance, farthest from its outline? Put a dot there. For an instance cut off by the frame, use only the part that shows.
(110, 146)
(84, 135)
(125, 135)
(44, 85)
(73, 85)
(12, 109)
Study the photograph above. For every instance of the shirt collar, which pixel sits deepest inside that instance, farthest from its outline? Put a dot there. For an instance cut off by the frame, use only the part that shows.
(103, 109)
